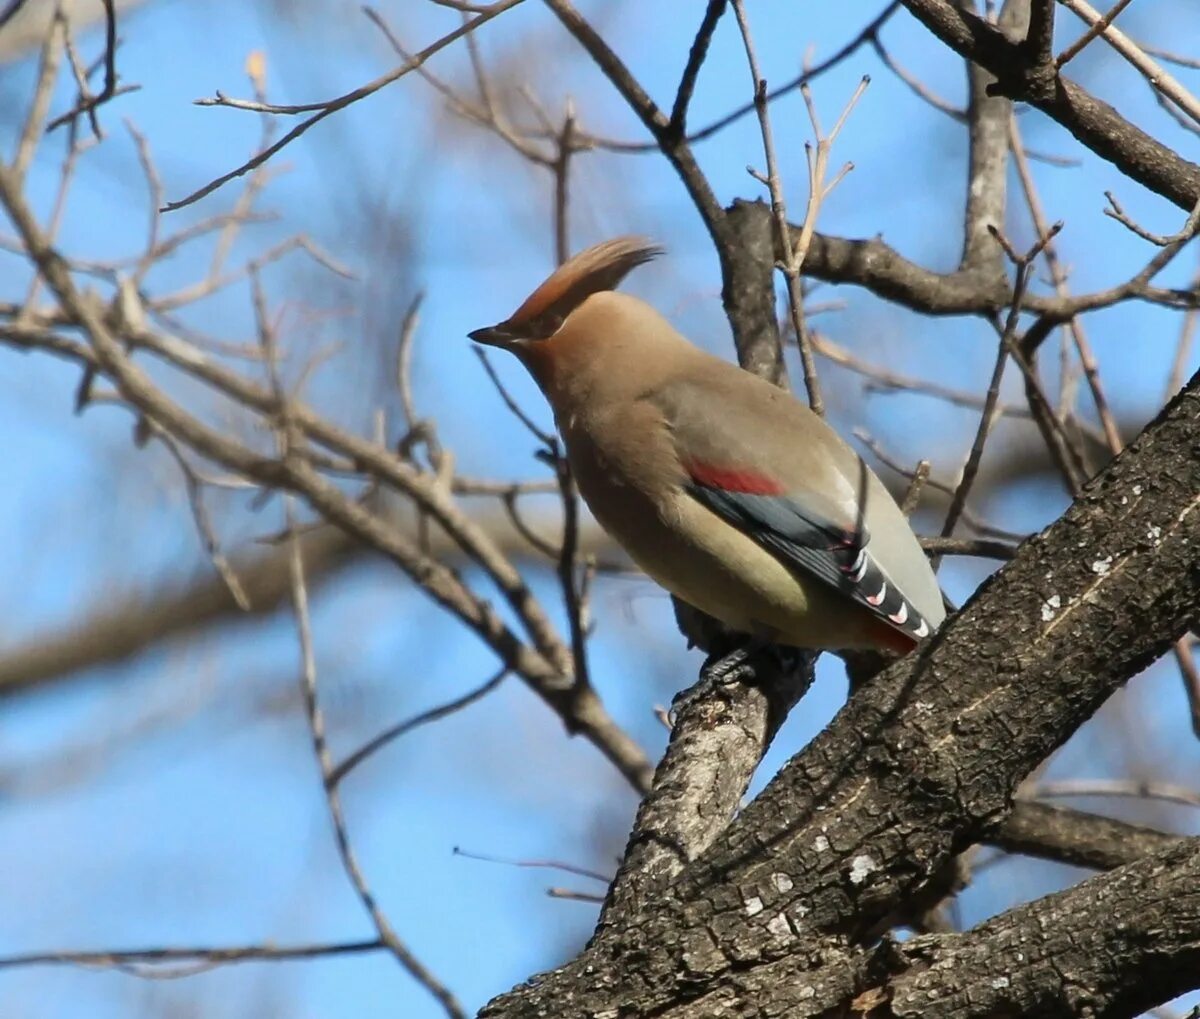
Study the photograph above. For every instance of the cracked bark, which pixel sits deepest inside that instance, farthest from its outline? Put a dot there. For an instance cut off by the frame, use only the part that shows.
(1068, 955)
(718, 739)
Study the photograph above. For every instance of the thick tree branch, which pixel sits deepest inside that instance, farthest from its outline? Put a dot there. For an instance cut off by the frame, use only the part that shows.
(1112, 946)
(748, 292)
(877, 266)
(113, 632)
(718, 738)
(119, 629)
(129, 626)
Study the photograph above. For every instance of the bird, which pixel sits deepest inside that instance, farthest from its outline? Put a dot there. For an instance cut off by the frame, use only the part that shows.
(722, 487)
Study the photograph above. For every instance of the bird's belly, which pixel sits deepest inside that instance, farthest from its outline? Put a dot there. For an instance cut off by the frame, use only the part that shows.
(715, 567)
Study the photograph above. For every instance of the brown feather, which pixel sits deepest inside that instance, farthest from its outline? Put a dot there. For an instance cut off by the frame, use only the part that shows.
(595, 269)
(636, 403)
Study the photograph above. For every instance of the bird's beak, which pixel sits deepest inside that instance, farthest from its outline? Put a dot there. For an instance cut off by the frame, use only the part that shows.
(494, 336)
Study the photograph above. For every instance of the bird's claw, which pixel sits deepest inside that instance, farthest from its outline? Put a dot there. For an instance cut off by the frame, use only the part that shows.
(731, 668)
(718, 676)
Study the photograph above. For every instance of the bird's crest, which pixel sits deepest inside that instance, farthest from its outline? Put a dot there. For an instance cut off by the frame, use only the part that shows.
(600, 267)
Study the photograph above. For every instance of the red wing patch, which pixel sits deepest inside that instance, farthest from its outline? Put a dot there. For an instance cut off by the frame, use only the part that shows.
(734, 479)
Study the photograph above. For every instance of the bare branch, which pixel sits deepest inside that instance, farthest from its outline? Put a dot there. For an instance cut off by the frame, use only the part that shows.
(1096, 124)
(324, 109)
(691, 71)
(988, 415)
(134, 961)
(546, 666)
(1071, 836)
(394, 732)
(316, 724)
(1119, 41)
(1097, 26)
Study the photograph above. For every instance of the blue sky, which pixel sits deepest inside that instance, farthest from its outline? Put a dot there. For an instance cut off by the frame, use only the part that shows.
(209, 827)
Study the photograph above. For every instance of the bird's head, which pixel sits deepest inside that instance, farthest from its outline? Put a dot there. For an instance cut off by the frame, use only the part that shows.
(544, 312)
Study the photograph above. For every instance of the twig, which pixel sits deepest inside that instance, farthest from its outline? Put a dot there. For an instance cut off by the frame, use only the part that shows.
(1183, 348)
(316, 724)
(1119, 787)
(215, 282)
(983, 548)
(1022, 263)
(567, 868)
(545, 438)
(204, 525)
(810, 74)
(970, 519)
(408, 330)
(1182, 236)
(512, 509)
(48, 63)
(572, 895)
(1097, 26)
(81, 75)
(488, 114)
(676, 150)
(465, 7)
(1118, 40)
(1182, 649)
(918, 87)
(128, 961)
(916, 484)
(322, 110)
(154, 186)
(1058, 275)
(88, 104)
(1190, 675)
(423, 718)
(695, 60)
(793, 256)
(884, 381)
(75, 148)
(1174, 58)
(544, 664)
(1153, 73)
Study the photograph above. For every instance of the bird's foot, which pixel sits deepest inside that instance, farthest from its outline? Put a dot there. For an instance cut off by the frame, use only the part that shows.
(746, 664)
(733, 667)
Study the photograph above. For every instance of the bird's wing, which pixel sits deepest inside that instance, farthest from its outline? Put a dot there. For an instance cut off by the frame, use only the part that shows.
(833, 553)
(727, 469)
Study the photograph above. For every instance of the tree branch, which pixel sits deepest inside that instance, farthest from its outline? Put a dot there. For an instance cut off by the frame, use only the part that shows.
(718, 738)
(1076, 837)
(1112, 946)
(1023, 75)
